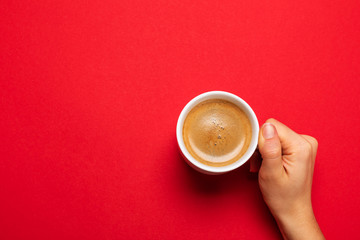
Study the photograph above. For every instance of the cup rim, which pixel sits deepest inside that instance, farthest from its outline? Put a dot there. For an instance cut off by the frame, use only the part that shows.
(217, 95)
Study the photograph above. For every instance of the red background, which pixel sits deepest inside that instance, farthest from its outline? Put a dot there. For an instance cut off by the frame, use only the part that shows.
(90, 93)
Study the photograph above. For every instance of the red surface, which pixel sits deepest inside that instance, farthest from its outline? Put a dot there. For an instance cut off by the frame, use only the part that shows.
(90, 93)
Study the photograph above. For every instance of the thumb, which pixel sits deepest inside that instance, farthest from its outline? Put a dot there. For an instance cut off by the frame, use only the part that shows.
(270, 149)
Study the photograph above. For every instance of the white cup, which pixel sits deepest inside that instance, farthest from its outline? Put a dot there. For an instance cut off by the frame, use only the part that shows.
(238, 102)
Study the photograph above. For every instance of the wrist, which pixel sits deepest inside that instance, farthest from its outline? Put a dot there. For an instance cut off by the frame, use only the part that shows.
(295, 213)
(299, 223)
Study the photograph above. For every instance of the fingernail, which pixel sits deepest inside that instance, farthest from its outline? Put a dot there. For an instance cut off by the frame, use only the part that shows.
(268, 131)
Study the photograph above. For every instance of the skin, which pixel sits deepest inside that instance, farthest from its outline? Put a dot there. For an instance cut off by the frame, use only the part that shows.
(285, 179)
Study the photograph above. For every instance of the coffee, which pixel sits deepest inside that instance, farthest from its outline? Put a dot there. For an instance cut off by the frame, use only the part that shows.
(216, 132)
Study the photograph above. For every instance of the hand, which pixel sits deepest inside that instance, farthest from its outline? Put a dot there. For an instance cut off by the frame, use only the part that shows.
(285, 179)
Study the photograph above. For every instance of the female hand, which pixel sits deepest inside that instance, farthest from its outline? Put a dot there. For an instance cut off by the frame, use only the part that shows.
(285, 179)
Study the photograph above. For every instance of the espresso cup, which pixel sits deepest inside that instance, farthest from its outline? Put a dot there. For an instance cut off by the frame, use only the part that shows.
(221, 98)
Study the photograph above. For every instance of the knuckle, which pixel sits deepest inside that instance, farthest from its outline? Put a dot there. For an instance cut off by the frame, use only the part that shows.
(270, 149)
(314, 143)
(305, 147)
(272, 153)
(308, 146)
